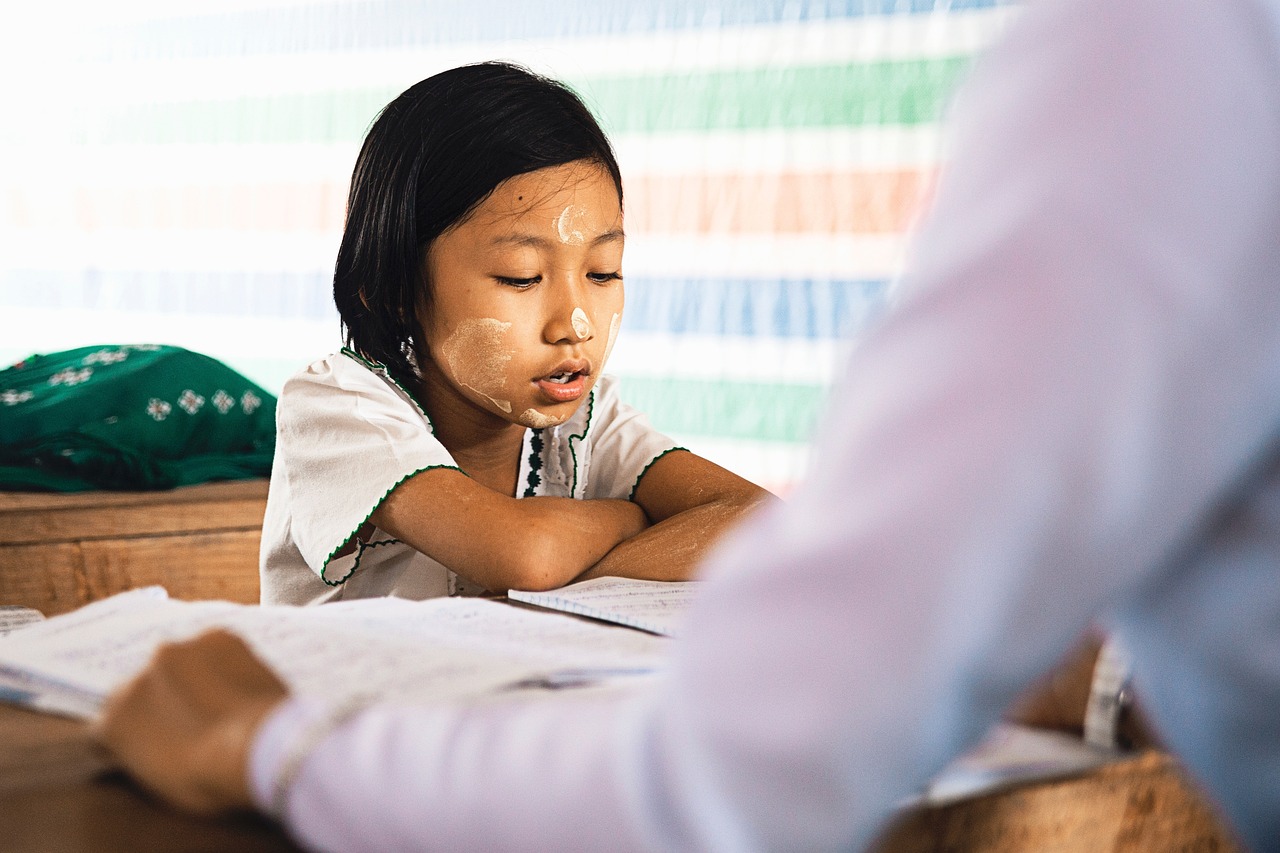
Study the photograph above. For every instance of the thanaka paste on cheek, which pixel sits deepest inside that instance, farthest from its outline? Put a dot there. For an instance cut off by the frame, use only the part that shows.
(476, 358)
(613, 336)
(569, 225)
(581, 325)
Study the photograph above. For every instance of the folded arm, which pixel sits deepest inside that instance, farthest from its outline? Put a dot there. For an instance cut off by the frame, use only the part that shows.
(499, 541)
(690, 503)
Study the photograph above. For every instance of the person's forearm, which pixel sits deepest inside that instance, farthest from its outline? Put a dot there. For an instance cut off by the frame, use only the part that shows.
(555, 539)
(503, 543)
(672, 549)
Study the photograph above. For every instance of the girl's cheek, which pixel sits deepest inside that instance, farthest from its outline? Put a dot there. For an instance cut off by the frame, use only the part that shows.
(614, 324)
(477, 357)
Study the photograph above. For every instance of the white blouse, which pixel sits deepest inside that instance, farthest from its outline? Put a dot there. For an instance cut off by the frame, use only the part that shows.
(347, 434)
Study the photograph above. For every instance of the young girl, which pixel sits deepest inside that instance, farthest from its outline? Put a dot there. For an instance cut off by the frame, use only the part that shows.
(467, 439)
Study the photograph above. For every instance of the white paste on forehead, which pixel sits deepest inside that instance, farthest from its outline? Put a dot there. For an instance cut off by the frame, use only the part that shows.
(476, 358)
(581, 325)
(569, 224)
(538, 420)
(613, 337)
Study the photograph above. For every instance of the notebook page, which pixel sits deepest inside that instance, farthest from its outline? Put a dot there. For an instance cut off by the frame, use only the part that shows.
(654, 606)
(391, 649)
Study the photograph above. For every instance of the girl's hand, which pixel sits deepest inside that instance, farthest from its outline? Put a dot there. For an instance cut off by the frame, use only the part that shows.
(184, 727)
(691, 503)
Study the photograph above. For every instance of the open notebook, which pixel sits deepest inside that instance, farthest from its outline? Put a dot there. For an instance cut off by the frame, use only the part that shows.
(385, 648)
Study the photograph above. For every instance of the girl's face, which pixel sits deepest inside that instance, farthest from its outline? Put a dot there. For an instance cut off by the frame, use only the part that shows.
(527, 295)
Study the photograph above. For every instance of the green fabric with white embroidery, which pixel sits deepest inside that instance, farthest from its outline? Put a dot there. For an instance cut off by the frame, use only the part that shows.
(135, 416)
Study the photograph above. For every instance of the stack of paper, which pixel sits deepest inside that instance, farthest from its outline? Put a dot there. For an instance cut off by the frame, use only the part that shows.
(391, 649)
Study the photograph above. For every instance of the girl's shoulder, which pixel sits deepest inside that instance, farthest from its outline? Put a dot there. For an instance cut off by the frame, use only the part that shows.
(343, 373)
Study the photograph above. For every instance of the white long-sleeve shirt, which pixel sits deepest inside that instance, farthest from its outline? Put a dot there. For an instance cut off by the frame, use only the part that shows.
(1072, 412)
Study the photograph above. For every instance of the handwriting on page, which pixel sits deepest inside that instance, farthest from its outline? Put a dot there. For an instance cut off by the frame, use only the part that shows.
(654, 606)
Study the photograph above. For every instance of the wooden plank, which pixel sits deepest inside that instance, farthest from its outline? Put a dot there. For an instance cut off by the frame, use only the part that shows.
(226, 490)
(192, 567)
(27, 519)
(49, 578)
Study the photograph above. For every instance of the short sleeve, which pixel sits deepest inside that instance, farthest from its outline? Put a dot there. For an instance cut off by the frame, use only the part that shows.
(623, 444)
(346, 436)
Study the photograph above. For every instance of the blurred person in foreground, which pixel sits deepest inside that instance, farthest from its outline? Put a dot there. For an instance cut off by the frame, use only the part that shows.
(1073, 412)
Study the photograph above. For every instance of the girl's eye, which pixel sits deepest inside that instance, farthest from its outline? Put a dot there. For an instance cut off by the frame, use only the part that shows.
(518, 283)
(604, 277)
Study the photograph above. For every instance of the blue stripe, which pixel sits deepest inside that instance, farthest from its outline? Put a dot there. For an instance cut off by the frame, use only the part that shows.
(301, 295)
(406, 24)
(773, 308)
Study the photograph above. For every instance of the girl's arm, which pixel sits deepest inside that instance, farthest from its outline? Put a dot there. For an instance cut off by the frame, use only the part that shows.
(690, 503)
(502, 542)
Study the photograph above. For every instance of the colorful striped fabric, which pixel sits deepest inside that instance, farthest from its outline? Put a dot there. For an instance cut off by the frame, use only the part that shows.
(190, 187)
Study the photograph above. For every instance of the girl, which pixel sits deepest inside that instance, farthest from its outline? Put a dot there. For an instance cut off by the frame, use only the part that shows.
(467, 439)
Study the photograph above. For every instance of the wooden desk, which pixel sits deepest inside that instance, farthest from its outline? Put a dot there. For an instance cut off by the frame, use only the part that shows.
(61, 551)
(56, 796)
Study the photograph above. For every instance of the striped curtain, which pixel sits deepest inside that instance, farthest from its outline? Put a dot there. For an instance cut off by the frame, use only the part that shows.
(176, 173)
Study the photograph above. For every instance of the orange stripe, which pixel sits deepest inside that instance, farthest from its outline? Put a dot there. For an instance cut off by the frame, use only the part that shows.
(297, 207)
(777, 203)
(821, 203)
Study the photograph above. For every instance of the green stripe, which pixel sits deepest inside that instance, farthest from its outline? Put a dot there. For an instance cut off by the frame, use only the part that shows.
(879, 93)
(759, 411)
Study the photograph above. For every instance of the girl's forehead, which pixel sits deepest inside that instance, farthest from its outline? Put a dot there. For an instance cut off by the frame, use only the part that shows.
(581, 192)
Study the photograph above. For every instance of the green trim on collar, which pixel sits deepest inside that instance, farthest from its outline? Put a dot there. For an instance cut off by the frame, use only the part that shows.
(381, 369)
(369, 363)
(573, 452)
(363, 546)
(632, 496)
(535, 463)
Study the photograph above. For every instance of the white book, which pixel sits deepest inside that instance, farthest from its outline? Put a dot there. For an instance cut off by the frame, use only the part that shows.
(13, 617)
(386, 648)
(654, 606)
(1011, 755)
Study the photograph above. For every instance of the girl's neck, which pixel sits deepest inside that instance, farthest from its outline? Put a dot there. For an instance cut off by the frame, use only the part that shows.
(484, 445)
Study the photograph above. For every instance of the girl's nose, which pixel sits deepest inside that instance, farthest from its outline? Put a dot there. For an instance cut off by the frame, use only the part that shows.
(569, 323)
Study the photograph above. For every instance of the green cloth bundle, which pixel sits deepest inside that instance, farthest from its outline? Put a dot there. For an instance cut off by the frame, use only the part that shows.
(136, 416)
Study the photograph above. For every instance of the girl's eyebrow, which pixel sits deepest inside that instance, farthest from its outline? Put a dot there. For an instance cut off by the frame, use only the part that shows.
(613, 235)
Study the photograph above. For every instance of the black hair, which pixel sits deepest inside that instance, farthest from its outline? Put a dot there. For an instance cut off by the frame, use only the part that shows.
(431, 156)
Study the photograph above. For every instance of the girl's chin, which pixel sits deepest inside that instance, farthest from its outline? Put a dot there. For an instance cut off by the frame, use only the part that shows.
(542, 420)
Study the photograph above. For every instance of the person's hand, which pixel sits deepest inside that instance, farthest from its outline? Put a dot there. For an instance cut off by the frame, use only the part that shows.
(184, 727)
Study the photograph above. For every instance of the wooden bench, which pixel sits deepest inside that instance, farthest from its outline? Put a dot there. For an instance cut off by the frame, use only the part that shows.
(61, 551)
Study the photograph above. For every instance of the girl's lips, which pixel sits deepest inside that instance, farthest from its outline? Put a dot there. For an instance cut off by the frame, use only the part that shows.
(564, 392)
